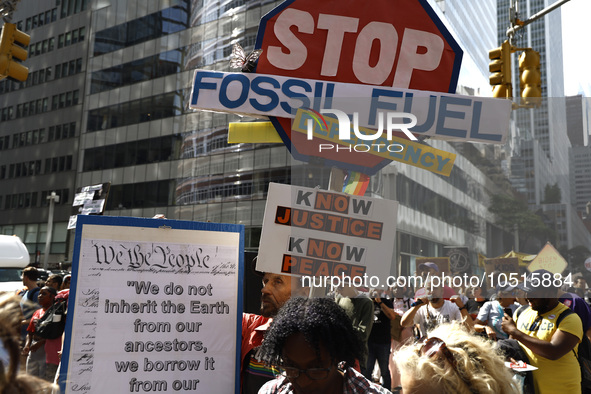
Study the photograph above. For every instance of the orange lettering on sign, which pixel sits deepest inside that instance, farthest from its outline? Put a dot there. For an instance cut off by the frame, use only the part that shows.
(308, 266)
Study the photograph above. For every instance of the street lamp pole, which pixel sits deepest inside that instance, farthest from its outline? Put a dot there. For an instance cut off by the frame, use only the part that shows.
(517, 24)
(53, 199)
(516, 237)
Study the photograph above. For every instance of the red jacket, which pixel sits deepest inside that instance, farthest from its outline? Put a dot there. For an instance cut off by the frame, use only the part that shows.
(253, 331)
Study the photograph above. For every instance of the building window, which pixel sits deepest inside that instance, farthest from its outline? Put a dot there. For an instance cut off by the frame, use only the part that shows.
(137, 111)
(149, 27)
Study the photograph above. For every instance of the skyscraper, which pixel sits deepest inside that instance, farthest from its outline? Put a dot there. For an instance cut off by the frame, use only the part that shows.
(41, 121)
(107, 101)
(544, 126)
(580, 179)
(540, 155)
(578, 120)
(475, 25)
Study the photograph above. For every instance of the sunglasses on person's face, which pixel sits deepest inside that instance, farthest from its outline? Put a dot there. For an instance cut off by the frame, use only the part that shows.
(432, 346)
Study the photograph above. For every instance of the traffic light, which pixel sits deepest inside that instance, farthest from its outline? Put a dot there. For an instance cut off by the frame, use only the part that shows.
(530, 77)
(12, 48)
(500, 67)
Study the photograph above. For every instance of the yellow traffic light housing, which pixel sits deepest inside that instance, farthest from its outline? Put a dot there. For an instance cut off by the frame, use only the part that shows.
(530, 77)
(12, 49)
(500, 67)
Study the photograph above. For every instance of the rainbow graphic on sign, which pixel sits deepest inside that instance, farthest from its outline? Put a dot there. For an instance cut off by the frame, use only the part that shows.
(317, 116)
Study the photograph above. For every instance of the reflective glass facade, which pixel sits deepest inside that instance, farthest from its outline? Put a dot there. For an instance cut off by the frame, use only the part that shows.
(107, 101)
(140, 134)
(156, 66)
(137, 111)
(145, 28)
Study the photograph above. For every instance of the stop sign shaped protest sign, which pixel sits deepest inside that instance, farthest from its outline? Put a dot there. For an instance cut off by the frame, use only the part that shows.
(395, 43)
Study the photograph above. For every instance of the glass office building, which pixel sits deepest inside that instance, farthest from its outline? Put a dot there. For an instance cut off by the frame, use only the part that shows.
(41, 123)
(540, 153)
(545, 125)
(107, 101)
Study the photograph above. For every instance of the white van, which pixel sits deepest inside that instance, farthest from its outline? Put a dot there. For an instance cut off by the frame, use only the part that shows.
(14, 256)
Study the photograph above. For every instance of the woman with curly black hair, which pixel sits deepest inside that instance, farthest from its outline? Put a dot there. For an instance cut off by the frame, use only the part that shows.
(314, 345)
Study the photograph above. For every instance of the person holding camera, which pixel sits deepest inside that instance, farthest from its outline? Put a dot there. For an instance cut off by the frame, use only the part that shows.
(491, 314)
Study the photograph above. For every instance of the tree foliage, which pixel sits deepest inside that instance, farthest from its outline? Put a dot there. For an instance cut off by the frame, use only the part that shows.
(508, 210)
(511, 211)
(577, 256)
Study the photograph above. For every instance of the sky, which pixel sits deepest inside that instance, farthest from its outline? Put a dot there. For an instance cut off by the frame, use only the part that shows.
(576, 31)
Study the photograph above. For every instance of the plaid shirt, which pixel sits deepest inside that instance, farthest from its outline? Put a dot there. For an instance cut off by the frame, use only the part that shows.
(355, 383)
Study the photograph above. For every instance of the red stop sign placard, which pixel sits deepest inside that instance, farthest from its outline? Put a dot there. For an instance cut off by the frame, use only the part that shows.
(399, 43)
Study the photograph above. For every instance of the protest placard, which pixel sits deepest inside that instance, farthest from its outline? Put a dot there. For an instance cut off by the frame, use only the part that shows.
(549, 259)
(319, 233)
(508, 265)
(153, 307)
(501, 271)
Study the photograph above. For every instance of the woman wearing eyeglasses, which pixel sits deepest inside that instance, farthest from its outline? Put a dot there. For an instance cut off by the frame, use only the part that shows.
(313, 343)
(451, 360)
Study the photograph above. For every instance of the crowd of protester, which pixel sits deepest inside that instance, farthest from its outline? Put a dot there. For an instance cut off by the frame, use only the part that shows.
(359, 340)
(39, 356)
(424, 340)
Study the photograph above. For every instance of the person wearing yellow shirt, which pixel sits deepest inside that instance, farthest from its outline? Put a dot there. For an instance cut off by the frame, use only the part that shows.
(548, 346)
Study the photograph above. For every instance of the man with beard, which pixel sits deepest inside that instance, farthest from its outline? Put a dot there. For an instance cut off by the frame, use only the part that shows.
(277, 289)
(547, 339)
(432, 310)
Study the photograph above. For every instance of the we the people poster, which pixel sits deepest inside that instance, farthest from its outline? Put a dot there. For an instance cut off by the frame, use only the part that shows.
(153, 307)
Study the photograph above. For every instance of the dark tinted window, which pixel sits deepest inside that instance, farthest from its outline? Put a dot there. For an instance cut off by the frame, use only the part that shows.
(133, 153)
(160, 65)
(136, 111)
(141, 195)
(149, 27)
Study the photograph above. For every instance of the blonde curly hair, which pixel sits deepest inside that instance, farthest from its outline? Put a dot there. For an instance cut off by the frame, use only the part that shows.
(479, 366)
(11, 382)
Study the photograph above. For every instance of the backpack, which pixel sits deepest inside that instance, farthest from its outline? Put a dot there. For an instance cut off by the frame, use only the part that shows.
(31, 294)
(28, 302)
(584, 358)
(584, 354)
(53, 322)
